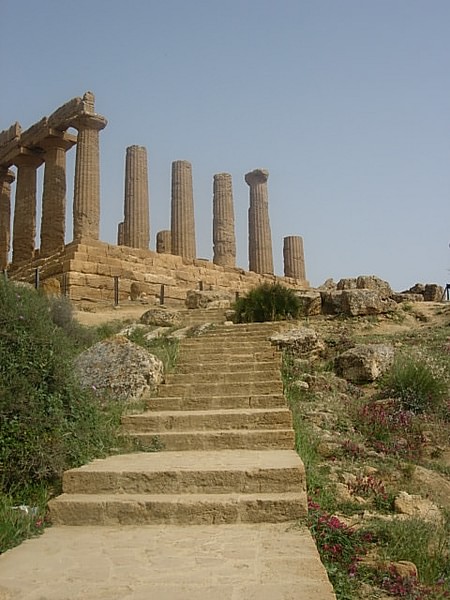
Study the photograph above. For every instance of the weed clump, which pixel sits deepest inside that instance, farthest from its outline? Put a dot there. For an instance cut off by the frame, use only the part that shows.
(267, 302)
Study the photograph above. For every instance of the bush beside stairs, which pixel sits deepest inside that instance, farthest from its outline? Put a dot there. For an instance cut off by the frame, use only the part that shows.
(227, 445)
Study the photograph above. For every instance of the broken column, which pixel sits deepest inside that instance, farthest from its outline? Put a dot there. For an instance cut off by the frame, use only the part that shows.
(86, 201)
(294, 258)
(259, 235)
(182, 214)
(120, 238)
(6, 179)
(164, 242)
(53, 221)
(24, 226)
(136, 225)
(224, 239)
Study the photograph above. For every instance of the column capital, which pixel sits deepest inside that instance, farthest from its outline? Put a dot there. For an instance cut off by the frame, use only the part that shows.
(256, 176)
(58, 139)
(6, 175)
(27, 158)
(87, 121)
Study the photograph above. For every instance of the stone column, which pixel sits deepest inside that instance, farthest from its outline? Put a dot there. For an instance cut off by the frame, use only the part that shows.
(136, 229)
(24, 226)
(164, 242)
(224, 239)
(120, 238)
(294, 258)
(53, 221)
(182, 216)
(86, 201)
(259, 235)
(6, 179)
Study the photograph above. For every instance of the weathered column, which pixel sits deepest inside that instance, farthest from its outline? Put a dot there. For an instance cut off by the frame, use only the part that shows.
(294, 258)
(6, 179)
(259, 235)
(136, 228)
(182, 216)
(24, 226)
(120, 238)
(164, 242)
(224, 238)
(86, 201)
(53, 220)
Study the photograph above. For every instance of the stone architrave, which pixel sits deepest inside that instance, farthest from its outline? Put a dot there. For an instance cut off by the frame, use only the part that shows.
(6, 179)
(164, 242)
(24, 225)
(182, 210)
(294, 258)
(86, 201)
(120, 238)
(224, 238)
(259, 234)
(136, 230)
(53, 221)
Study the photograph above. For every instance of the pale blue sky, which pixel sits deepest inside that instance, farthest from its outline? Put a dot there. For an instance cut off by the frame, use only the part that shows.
(345, 102)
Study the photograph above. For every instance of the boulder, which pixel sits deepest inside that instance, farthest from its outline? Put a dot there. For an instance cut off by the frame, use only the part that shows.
(372, 282)
(135, 291)
(432, 484)
(433, 293)
(208, 299)
(120, 368)
(301, 341)
(51, 286)
(406, 297)
(329, 284)
(348, 283)
(418, 288)
(362, 302)
(416, 506)
(310, 302)
(162, 317)
(365, 362)
(331, 302)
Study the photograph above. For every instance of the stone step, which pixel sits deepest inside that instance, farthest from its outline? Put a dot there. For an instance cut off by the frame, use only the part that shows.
(217, 389)
(227, 368)
(193, 356)
(190, 472)
(189, 509)
(246, 439)
(243, 345)
(205, 376)
(189, 420)
(216, 402)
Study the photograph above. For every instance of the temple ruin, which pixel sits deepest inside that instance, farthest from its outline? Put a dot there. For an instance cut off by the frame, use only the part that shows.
(87, 269)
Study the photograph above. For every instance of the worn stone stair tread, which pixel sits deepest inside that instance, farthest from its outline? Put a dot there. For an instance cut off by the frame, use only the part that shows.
(210, 412)
(220, 402)
(204, 376)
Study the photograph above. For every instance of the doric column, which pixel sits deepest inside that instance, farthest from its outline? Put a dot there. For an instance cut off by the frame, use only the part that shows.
(259, 235)
(120, 238)
(53, 221)
(6, 179)
(164, 242)
(86, 201)
(224, 239)
(294, 258)
(182, 216)
(136, 222)
(24, 227)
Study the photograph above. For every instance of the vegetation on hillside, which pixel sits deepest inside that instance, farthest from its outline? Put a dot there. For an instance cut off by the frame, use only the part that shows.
(267, 302)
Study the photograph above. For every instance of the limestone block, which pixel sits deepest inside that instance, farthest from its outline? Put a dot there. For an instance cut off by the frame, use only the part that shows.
(372, 282)
(208, 299)
(162, 317)
(50, 286)
(311, 303)
(416, 506)
(331, 301)
(365, 302)
(433, 293)
(348, 283)
(405, 297)
(365, 362)
(159, 279)
(301, 341)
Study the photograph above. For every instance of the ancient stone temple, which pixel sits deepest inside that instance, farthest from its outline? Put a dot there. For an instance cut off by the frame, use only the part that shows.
(164, 242)
(224, 239)
(294, 258)
(182, 213)
(136, 223)
(259, 234)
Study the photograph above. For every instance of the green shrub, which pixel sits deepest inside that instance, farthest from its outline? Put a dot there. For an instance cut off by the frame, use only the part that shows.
(267, 302)
(47, 423)
(418, 384)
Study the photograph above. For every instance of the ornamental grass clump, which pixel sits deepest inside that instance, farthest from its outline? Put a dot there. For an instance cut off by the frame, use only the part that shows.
(267, 302)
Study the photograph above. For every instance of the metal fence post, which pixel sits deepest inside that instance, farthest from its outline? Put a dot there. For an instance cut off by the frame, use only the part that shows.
(116, 290)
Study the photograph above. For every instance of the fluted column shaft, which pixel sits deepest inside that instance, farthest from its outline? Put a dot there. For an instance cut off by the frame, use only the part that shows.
(182, 214)
(86, 201)
(259, 234)
(164, 241)
(294, 258)
(53, 220)
(224, 238)
(137, 221)
(24, 226)
(6, 179)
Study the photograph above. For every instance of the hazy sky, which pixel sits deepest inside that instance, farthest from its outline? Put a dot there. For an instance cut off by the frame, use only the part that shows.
(345, 102)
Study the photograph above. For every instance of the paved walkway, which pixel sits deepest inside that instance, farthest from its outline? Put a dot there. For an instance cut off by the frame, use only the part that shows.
(193, 562)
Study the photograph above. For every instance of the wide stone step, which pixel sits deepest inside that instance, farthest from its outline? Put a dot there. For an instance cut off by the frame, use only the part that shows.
(228, 367)
(217, 402)
(215, 472)
(189, 509)
(188, 420)
(205, 376)
(193, 357)
(217, 389)
(246, 439)
(242, 345)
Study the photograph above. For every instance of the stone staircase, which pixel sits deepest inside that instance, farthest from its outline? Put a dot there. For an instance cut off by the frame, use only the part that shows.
(227, 440)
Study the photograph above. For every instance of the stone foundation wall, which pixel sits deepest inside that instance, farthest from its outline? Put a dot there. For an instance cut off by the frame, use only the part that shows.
(86, 270)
